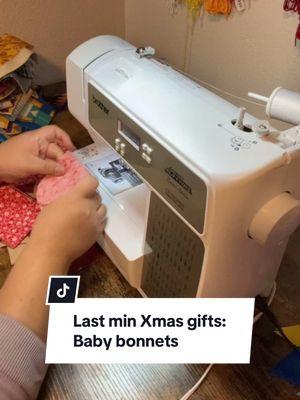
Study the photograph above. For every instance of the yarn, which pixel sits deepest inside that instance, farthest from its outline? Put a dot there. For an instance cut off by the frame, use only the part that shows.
(294, 5)
(194, 6)
(218, 6)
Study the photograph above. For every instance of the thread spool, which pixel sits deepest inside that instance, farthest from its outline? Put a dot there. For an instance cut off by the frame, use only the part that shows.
(283, 104)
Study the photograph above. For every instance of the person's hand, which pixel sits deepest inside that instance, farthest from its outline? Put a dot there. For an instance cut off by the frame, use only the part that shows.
(69, 226)
(34, 153)
(63, 231)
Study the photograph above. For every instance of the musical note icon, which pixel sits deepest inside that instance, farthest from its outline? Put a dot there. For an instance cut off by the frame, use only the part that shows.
(62, 292)
(62, 289)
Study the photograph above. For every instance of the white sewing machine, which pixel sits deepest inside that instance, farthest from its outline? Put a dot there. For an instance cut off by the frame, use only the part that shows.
(220, 192)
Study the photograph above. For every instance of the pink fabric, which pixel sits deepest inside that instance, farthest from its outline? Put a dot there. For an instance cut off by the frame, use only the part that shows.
(53, 187)
(17, 215)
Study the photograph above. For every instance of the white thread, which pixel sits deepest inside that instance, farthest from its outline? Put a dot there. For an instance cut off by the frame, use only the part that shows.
(218, 89)
(162, 61)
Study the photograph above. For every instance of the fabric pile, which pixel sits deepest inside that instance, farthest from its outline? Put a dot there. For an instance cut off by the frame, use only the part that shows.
(18, 212)
(21, 204)
(21, 107)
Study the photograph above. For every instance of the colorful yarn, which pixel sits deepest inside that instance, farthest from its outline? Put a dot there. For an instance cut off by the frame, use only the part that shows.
(211, 6)
(218, 6)
(294, 5)
(194, 6)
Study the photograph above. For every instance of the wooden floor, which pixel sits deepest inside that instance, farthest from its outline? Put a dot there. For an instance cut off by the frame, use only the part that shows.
(171, 382)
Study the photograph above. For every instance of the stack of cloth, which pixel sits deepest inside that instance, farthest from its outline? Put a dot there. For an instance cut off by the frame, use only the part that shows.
(21, 107)
(20, 205)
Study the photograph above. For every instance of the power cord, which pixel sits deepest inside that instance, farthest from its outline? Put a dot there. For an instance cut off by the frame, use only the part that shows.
(263, 306)
(197, 384)
(270, 299)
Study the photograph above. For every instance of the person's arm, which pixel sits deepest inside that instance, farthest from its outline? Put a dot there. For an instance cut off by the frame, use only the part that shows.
(64, 230)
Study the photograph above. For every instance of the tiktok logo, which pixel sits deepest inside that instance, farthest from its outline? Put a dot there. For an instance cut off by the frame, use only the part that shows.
(62, 292)
(62, 289)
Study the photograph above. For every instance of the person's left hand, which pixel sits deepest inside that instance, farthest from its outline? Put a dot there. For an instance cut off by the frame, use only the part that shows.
(34, 153)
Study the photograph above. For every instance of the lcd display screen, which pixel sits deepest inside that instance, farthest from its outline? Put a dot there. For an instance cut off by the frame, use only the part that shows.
(129, 135)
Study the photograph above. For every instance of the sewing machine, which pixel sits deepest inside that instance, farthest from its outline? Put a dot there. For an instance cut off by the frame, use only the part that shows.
(219, 192)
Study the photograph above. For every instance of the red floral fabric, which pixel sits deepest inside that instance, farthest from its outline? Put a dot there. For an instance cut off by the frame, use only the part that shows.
(17, 215)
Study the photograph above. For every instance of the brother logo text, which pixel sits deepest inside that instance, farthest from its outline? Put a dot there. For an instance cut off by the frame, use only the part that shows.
(100, 105)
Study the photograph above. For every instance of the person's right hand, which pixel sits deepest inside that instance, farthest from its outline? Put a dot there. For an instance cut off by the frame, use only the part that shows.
(69, 226)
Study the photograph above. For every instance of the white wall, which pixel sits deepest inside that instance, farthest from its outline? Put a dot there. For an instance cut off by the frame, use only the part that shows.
(56, 27)
(253, 51)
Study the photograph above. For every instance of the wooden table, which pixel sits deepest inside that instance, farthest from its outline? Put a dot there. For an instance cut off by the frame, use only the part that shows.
(166, 382)
(170, 382)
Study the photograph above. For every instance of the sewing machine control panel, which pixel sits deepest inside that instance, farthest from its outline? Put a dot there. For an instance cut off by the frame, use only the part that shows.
(146, 154)
(245, 135)
(178, 185)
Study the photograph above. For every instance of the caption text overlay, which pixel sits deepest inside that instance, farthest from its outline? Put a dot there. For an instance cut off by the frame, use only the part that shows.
(119, 330)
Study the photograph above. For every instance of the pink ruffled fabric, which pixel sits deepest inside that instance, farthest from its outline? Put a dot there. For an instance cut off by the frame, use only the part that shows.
(53, 187)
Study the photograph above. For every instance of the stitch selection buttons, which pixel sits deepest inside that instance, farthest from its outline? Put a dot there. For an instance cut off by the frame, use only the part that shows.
(146, 158)
(123, 148)
(147, 149)
(238, 143)
(117, 144)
